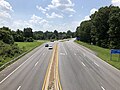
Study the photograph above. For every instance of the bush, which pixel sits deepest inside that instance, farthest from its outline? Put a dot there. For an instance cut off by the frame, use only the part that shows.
(30, 39)
(8, 50)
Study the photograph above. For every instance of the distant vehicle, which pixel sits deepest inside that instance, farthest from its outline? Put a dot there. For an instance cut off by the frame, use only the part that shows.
(50, 47)
(52, 40)
(46, 45)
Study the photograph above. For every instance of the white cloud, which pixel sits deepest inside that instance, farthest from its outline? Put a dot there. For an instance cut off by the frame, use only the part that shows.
(62, 6)
(87, 18)
(54, 15)
(92, 11)
(19, 24)
(41, 9)
(61, 27)
(5, 6)
(116, 2)
(35, 19)
(70, 16)
(35, 22)
(5, 11)
(69, 9)
(4, 15)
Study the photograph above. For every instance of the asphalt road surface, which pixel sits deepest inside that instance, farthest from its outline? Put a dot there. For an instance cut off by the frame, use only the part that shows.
(29, 75)
(80, 69)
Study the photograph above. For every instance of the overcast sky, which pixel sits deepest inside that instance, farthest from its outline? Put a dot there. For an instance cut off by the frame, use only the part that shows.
(61, 15)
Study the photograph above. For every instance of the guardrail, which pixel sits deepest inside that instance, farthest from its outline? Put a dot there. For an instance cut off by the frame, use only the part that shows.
(15, 59)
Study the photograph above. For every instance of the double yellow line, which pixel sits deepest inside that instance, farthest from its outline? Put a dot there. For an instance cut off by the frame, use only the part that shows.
(47, 76)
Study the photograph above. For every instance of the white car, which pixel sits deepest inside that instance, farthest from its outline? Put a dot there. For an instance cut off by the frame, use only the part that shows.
(50, 47)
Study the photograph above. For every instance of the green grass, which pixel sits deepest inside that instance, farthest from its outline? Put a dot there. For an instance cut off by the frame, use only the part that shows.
(26, 46)
(103, 53)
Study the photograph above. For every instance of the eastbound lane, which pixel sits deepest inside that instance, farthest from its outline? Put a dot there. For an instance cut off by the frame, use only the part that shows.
(30, 74)
(80, 69)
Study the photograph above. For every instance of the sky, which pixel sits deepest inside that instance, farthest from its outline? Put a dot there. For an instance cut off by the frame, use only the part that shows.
(43, 15)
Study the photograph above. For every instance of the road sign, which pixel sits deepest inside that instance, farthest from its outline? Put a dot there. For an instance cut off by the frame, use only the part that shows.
(115, 51)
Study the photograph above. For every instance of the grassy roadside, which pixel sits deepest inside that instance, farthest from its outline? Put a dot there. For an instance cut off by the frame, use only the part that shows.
(24, 47)
(103, 53)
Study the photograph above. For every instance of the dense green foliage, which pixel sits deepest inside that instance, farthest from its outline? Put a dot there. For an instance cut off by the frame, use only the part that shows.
(8, 50)
(103, 29)
(39, 35)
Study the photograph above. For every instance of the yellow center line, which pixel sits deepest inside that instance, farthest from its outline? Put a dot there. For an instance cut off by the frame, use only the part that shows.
(45, 83)
(57, 84)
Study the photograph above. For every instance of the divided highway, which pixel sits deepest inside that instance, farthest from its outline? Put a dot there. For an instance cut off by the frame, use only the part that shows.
(79, 69)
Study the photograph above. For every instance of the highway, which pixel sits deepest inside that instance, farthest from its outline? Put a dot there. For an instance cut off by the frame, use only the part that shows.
(29, 75)
(79, 69)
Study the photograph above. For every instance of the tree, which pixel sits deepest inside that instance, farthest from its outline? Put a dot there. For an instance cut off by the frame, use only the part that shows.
(18, 36)
(69, 34)
(6, 36)
(28, 32)
(8, 39)
(114, 30)
(38, 35)
(84, 31)
(101, 26)
(55, 34)
(104, 28)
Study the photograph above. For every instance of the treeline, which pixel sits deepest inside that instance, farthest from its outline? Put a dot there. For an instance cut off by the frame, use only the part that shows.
(8, 48)
(40, 35)
(27, 35)
(103, 29)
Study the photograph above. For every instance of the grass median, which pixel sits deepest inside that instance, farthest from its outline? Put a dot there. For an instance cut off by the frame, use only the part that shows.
(104, 54)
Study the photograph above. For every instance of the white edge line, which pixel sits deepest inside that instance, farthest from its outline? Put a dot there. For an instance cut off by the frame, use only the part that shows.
(102, 88)
(36, 63)
(14, 70)
(96, 64)
(83, 64)
(19, 88)
(65, 50)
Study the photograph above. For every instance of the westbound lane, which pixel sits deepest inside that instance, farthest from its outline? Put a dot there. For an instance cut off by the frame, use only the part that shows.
(30, 74)
(81, 69)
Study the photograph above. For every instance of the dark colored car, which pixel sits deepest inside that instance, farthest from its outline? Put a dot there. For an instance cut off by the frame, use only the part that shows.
(46, 45)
